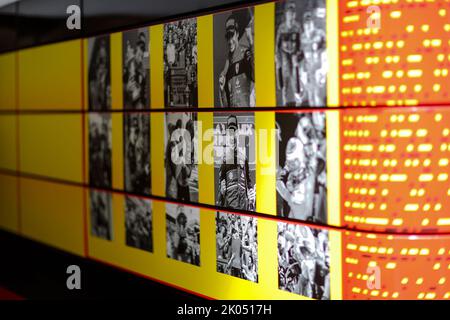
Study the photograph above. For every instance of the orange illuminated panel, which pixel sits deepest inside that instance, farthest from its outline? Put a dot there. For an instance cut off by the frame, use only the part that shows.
(395, 174)
(403, 60)
(395, 267)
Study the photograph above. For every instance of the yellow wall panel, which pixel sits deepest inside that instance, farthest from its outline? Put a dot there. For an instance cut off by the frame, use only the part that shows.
(333, 168)
(265, 55)
(116, 71)
(8, 142)
(333, 53)
(266, 201)
(157, 154)
(157, 266)
(53, 214)
(9, 219)
(157, 66)
(51, 145)
(335, 240)
(205, 61)
(206, 156)
(8, 81)
(50, 76)
(117, 151)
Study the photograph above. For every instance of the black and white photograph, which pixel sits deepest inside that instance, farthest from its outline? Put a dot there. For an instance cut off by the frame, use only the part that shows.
(101, 214)
(300, 53)
(136, 69)
(234, 59)
(137, 173)
(237, 246)
(304, 261)
(99, 73)
(235, 160)
(301, 181)
(183, 233)
(100, 144)
(181, 156)
(180, 64)
(138, 223)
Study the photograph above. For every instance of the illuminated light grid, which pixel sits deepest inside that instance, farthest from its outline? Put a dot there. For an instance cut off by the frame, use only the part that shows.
(408, 267)
(405, 62)
(395, 174)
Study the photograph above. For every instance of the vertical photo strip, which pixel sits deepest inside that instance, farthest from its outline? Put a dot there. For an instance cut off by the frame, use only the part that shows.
(180, 64)
(304, 261)
(99, 73)
(181, 156)
(237, 246)
(183, 233)
(136, 69)
(301, 63)
(139, 223)
(100, 153)
(101, 214)
(235, 161)
(234, 59)
(301, 182)
(137, 169)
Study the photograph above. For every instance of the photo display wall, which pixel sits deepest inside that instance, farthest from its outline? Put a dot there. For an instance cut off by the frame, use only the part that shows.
(283, 151)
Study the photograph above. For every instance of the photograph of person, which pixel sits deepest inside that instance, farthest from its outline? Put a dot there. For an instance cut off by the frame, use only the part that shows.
(137, 153)
(138, 223)
(237, 246)
(300, 53)
(302, 166)
(234, 161)
(181, 159)
(234, 62)
(180, 63)
(100, 143)
(101, 214)
(99, 73)
(136, 69)
(183, 233)
(304, 261)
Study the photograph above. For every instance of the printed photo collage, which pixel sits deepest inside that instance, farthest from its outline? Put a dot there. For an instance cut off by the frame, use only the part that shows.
(300, 175)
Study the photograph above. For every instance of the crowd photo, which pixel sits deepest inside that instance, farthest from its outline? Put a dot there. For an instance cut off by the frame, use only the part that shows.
(181, 158)
(301, 181)
(136, 69)
(100, 145)
(180, 63)
(234, 62)
(237, 245)
(137, 153)
(183, 233)
(304, 261)
(234, 161)
(138, 223)
(99, 73)
(301, 61)
(101, 214)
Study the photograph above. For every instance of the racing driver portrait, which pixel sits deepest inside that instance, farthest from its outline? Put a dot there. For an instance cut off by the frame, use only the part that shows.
(235, 62)
(235, 186)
